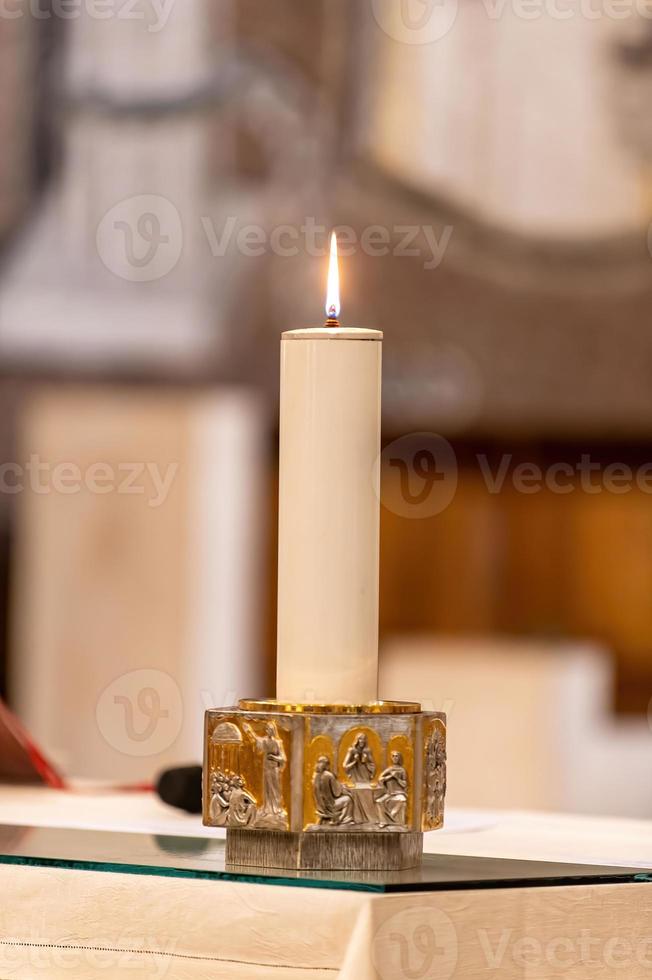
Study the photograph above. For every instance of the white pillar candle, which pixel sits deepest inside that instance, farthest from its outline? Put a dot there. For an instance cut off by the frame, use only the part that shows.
(329, 514)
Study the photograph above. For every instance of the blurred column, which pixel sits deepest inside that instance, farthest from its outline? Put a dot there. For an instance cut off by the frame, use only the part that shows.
(138, 127)
(137, 608)
(504, 110)
(632, 76)
(17, 50)
(117, 269)
(136, 599)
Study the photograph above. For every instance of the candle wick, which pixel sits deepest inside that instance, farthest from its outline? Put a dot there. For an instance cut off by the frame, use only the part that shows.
(332, 320)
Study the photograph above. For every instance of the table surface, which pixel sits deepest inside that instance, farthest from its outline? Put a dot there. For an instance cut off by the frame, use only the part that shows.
(70, 924)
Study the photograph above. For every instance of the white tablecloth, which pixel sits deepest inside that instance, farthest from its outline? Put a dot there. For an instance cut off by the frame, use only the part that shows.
(80, 925)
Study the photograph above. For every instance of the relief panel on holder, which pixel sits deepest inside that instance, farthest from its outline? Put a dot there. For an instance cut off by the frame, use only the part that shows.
(248, 774)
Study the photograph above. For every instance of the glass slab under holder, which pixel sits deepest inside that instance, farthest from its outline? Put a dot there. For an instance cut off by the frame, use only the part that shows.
(203, 858)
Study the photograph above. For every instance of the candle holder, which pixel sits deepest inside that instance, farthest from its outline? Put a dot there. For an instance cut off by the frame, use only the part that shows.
(324, 787)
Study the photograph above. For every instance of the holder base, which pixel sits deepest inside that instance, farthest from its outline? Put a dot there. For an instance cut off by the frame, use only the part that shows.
(321, 851)
(324, 787)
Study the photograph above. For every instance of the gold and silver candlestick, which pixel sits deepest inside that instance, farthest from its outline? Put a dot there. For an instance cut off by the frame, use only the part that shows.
(345, 781)
(317, 787)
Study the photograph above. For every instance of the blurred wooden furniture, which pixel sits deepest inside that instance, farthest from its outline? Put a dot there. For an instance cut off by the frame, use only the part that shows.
(534, 568)
(543, 565)
(530, 723)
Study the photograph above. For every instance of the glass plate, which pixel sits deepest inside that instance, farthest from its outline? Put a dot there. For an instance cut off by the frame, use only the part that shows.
(203, 857)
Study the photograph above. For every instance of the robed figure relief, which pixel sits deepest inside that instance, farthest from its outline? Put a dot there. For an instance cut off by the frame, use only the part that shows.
(359, 763)
(242, 806)
(392, 800)
(360, 768)
(270, 747)
(435, 778)
(334, 803)
(219, 798)
(231, 804)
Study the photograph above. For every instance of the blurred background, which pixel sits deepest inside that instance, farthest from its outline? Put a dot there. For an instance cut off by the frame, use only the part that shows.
(169, 173)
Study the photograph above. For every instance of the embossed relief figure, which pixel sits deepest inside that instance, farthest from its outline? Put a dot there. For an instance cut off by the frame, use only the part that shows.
(220, 793)
(270, 747)
(360, 768)
(242, 805)
(333, 802)
(231, 805)
(359, 763)
(436, 777)
(393, 786)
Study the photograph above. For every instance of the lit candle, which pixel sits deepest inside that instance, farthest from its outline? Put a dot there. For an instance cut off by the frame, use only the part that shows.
(328, 510)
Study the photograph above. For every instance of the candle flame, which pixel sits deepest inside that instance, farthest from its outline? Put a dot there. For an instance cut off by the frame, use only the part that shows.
(333, 288)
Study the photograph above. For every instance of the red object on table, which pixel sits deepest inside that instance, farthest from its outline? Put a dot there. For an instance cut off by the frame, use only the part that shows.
(21, 760)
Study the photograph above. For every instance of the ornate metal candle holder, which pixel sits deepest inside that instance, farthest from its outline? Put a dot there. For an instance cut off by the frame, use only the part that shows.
(319, 787)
